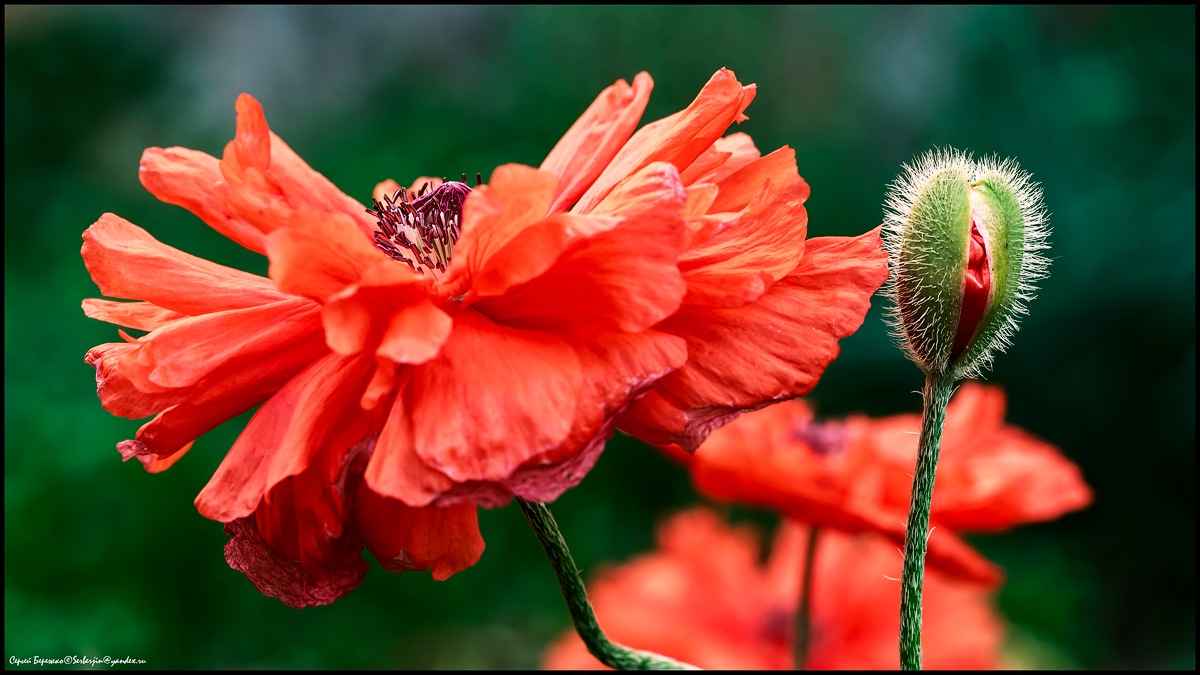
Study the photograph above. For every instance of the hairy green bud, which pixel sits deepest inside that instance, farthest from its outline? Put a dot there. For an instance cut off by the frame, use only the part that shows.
(964, 240)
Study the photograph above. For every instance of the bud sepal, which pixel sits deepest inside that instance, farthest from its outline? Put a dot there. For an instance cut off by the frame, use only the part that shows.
(964, 239)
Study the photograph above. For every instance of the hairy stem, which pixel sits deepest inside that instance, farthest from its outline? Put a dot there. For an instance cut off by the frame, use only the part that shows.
(936, 396)
(804, 613)
(610, 653)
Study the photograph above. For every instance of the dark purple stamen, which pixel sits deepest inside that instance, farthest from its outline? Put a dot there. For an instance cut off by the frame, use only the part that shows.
(825, 438)
(421, 231)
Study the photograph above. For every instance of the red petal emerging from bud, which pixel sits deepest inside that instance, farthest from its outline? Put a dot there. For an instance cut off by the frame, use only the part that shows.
(976, 290)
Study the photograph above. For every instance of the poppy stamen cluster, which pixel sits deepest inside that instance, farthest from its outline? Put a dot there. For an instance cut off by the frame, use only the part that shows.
(421, 231)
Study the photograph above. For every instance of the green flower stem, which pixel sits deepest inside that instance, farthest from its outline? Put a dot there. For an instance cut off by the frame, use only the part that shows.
(936, 396)
(610, 653)
(804, 613)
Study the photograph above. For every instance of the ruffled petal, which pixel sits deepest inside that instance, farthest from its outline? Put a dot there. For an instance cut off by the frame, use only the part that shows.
(778, 170)
(678, 139)
(139, 315)
(189, 178)
(395, 471)
(285, 433)
(624, 277)
(184, 352)
(617, 369)
(277, 577)
(741, 152)
(493, 398)
(126, 262)
(763, 246)
(772, 349)
(404, 538)
(319, 254)
(265, 181)
(359, 316)
(595, 138)
(495, 214)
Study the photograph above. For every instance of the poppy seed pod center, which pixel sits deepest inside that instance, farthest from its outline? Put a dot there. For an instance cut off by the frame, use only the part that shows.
(421, 230)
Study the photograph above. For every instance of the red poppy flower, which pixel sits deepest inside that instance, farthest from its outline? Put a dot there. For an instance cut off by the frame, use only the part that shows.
(392, 374)
(856, 474)
(764, 307)
(703, 598)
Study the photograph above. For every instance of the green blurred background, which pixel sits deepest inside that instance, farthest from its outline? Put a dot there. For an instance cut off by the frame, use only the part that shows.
(1098, 103)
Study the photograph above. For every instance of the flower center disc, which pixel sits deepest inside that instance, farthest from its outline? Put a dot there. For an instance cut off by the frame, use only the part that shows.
(421, 231)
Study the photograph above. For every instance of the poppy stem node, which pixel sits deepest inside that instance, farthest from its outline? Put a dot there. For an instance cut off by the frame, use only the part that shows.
(608, 652)
(938, 390)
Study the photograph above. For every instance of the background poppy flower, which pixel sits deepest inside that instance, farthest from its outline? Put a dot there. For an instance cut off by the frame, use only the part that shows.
(854, 474)
(704, 598)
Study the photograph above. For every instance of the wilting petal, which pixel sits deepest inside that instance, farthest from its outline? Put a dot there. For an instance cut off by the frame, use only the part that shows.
(139, 315)
(284, 435)
(777, 169)
(624, 277)
(591, 143)
(764, 246)
(266, 181)
(189, 178)
(277, 577)
(126, 262)
(319, 254)
(772, 349)
(687, 135)
(493, 398)
(404, 538)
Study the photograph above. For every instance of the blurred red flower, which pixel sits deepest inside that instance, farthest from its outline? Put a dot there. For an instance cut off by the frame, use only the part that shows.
(703, 598)
(856, 474)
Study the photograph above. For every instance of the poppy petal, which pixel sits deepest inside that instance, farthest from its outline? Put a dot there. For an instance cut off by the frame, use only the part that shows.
(678, 139)
(595, 138)
(741, 358)
(277, 577)
(777, 169)
(265, 179)
(494, 397)
(319, 254)
(624, 277)
(126, 262)
(285, 433)
(404, 538)
(617, 369)
(189, 178)
(395, 471)
(495, 214)
(139, 315)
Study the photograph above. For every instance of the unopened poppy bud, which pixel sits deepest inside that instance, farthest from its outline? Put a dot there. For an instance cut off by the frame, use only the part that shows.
(964, 240)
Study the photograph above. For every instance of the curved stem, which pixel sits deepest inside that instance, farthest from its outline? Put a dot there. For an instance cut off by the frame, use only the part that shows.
(610, 653)
(804, 613)
(936, 396)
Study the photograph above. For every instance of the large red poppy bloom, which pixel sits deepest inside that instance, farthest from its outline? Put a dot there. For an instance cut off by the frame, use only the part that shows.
(856, 474)
(453, 346)
(703, 598)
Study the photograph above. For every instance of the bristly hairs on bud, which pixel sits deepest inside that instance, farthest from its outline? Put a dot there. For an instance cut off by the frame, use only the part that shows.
(1026, 265)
